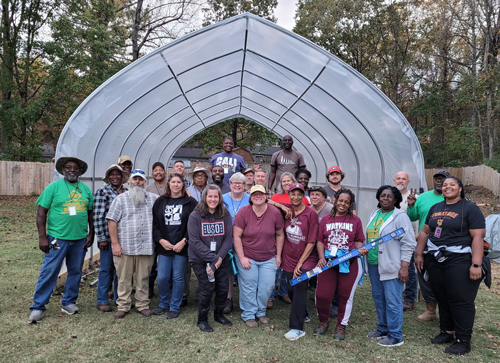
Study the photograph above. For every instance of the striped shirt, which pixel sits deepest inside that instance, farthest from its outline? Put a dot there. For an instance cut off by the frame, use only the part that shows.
(135, 224)
(103, 198)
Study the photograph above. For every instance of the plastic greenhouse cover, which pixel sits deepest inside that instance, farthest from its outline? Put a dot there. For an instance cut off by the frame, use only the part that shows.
(247, 67)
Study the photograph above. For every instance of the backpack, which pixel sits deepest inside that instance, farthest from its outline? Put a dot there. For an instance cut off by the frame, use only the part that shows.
(492, 237)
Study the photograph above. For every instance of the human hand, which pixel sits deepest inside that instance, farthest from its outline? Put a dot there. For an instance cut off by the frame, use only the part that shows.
(43, 244)
(218, 263)
(297, 271)
(321, 262)
(103, 245)
(117, 250)
(363, 251)
(475, 273)
(179, 246)
(166, 244)
(246, 263)
(412, 197)
(403, 274)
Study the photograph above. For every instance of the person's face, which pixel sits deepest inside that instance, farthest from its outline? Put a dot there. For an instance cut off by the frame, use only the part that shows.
(127, 166)
(115, 178)
(303, 179)
(249, 178)
(218, 174)
(260, 178)
(296, 197)
(286, 181)
(317, 198)
(175, 185)
(401, 181)
(287, 142)
(438, 183)
(451, 188)
(212, 199)
(71, 171)
(228, 145)
(237, 186)
(158, 174)
(200, 179)
(137, 181)
(335, 178)
(387, 200)
(179, 168)
(258, 198)
(343, 203)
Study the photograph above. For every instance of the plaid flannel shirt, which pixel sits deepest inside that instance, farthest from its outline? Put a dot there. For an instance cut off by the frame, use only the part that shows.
(103, 198)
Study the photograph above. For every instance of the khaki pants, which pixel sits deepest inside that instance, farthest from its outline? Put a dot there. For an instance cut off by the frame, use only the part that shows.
(126, 267)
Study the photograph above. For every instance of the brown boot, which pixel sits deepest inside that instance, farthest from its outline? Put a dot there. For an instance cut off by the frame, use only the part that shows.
(429, 313)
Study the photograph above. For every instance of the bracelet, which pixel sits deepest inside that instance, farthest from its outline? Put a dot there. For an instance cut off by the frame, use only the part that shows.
(475, 265)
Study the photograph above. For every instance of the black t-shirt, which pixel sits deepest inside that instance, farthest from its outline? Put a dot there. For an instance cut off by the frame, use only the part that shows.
(173, 219)
(455, 220)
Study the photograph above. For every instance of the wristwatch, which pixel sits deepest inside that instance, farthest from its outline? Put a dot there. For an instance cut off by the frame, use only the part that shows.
(475, 265)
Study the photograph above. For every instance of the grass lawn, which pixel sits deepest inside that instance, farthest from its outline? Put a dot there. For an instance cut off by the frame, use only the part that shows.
(92, 336)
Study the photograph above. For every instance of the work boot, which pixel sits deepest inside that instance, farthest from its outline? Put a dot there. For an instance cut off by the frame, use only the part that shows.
(429, 313)
(220, 318)
(203, 320)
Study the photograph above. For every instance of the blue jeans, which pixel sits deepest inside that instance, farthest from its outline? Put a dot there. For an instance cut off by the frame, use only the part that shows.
(107, 276)
(411, 285)
(74, 254)
(171, 266)
(388, 303)
(256, 286)
(283, 289)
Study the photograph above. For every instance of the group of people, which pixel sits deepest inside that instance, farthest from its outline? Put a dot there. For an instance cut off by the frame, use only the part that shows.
(229, 222)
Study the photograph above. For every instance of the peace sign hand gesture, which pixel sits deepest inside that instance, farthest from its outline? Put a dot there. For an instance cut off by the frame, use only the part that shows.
(412, 197)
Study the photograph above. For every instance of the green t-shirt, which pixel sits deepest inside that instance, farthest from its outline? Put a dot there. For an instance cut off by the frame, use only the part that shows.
(59, 198)
(372, 233)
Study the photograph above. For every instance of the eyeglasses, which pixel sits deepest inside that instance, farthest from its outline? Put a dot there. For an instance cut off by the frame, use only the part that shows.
(138, 171)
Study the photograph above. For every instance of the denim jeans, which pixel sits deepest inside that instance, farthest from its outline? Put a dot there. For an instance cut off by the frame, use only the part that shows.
(107, 276)
(171, 266)
(388, 303)
(256, 286)
(411, 285)
(74, 254)
(282, 289)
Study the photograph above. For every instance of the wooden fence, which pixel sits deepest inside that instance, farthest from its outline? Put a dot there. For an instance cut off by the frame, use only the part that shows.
(18, 178)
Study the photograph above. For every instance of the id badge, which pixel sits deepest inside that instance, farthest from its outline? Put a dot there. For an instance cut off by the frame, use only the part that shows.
(226, 170)
(72, 210)
(213, 246)
(437, 232)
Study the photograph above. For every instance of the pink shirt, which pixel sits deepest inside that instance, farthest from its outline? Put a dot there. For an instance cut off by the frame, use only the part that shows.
(296, 239)
(340, 232)
(259, 233)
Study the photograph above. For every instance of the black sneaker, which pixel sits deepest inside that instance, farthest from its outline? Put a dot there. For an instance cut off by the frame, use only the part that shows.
(159, 311)
(172, 314)
(442, 338)
(460, 347)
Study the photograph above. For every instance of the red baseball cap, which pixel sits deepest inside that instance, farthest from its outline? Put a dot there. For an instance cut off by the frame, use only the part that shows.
(294, 186)
(334, 168)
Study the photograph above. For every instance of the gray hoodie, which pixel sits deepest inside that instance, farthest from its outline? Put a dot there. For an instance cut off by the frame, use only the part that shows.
(390, 254)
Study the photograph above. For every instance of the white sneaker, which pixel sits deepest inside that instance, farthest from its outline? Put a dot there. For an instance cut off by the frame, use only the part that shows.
(35, 316)
(70, 309)
(295, 334)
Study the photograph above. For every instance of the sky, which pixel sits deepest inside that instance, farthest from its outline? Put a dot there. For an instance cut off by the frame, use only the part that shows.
(285, 11)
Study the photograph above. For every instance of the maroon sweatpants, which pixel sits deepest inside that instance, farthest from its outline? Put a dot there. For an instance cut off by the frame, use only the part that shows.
(331, 281)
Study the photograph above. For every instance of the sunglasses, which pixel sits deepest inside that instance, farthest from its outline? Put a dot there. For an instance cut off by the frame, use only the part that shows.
(138, 171)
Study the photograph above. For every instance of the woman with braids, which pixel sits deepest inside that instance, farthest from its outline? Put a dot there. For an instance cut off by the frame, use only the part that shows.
(210, 233)
(450, 246)
(388, 265)
(339, 232)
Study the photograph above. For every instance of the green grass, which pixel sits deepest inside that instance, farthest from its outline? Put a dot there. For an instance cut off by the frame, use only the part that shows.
(92, 336)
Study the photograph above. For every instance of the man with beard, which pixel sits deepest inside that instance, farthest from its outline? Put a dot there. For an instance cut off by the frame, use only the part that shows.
(417, 211)
(231, 163)
(218, 179)
(249, 179)
(261, 179)
(318, 201)
(114, 178)
(201, 176)
(334, 178)
(285, 160)
(159, 176)
(130, 221)
(401, 181)
(65, 231)
(180, 169)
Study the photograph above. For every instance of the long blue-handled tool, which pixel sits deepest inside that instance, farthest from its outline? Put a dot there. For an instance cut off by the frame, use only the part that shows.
(331, 263)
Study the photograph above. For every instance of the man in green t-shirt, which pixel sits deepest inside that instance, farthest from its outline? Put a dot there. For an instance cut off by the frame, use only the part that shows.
(65, 231)
(417, 211)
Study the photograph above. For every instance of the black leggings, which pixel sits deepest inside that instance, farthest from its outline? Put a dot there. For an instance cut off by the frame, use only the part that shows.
(455, 292)
(220, 286)
(298, 295)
